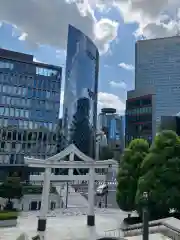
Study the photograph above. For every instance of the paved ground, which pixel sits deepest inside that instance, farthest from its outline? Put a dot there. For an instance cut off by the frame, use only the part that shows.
(61, 225)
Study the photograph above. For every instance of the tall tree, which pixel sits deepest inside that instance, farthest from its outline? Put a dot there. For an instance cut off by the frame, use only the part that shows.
(161, 175)
(129, 172)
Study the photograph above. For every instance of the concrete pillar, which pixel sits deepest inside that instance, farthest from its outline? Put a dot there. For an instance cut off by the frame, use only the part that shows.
(91, 216)
(44, 202)
(71, 159)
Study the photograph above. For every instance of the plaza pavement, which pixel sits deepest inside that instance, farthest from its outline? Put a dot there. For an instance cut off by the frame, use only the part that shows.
(65, 225)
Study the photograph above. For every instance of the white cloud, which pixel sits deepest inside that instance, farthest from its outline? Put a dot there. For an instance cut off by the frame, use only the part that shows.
(46, 21)
(126, 66)
(118, 84)
(148, 14)
(23, 37)
(105, 32)
(110, 100)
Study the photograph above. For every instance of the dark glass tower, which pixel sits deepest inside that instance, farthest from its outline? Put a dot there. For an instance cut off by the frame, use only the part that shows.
(80, 95)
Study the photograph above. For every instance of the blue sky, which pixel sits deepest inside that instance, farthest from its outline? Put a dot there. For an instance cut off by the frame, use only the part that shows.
(41, 29)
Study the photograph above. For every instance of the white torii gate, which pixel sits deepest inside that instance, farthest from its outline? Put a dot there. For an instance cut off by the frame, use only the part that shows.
(57, 161)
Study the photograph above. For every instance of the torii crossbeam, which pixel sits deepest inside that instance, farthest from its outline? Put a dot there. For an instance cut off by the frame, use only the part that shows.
(57, 161)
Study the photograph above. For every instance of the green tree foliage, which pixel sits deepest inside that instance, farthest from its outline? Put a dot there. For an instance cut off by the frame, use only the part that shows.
(106, 153)
(11, 188)
(161, 175)
(129, 172)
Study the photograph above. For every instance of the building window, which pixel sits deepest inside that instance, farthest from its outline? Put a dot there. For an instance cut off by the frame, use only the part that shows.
(13, 145)
(2, 145)
(6, 65)
(11, 112)
(46, 72)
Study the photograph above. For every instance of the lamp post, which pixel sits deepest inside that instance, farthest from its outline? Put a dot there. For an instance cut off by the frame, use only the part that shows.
(145, 217)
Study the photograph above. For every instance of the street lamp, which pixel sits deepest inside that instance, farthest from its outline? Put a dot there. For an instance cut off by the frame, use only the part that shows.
(145, 216)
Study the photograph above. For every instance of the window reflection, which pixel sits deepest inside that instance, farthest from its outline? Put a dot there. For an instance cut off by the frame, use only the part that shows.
(46, 72)
(18, 95)
(14, 112)
(37, 125)
(145, 110)
(15, 101)
(13, 90)
(6, 65)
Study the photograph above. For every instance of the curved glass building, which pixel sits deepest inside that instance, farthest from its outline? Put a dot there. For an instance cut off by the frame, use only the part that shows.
(80, 94)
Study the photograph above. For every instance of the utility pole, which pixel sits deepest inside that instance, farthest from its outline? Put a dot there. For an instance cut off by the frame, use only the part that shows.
(145, 217)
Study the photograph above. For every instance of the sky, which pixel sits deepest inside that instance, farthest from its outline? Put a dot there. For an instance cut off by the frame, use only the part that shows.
(40, 27)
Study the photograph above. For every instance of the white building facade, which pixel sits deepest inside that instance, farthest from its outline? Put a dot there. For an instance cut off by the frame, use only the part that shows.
(32, 202)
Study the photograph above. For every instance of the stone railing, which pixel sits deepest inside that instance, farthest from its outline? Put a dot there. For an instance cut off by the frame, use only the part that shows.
(169, 227)
(8, 223)
(114, 233)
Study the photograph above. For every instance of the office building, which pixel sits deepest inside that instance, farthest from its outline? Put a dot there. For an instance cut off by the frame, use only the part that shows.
(80, 93)
(29, 109)
(157, 64)
(140, 115)
(112, 125)
(170, 123)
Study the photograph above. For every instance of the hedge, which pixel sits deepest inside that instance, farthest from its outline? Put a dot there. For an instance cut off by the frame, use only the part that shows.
(4, 215)
(36, 189)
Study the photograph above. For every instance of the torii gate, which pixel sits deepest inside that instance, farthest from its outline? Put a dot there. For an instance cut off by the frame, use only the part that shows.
(57, 161)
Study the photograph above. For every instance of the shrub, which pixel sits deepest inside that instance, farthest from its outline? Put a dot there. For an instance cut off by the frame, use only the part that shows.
(4, 215)
(36, 189)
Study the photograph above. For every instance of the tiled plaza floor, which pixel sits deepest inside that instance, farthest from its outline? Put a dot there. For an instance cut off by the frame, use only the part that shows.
(63, 226)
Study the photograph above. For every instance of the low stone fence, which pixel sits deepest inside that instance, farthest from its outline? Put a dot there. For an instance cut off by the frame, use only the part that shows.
(169, 227)
(8, 223)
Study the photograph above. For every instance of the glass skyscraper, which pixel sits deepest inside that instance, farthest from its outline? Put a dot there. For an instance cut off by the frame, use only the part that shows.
(80, 94)
(29, 108)
(113, 127)
(158, 66)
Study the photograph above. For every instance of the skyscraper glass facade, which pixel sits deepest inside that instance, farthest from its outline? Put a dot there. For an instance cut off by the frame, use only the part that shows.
(112, 125)
(80, 94)
(29, 108)
(158, 65)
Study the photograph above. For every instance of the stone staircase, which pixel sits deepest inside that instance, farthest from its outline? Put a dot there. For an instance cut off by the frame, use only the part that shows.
(163, 229)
